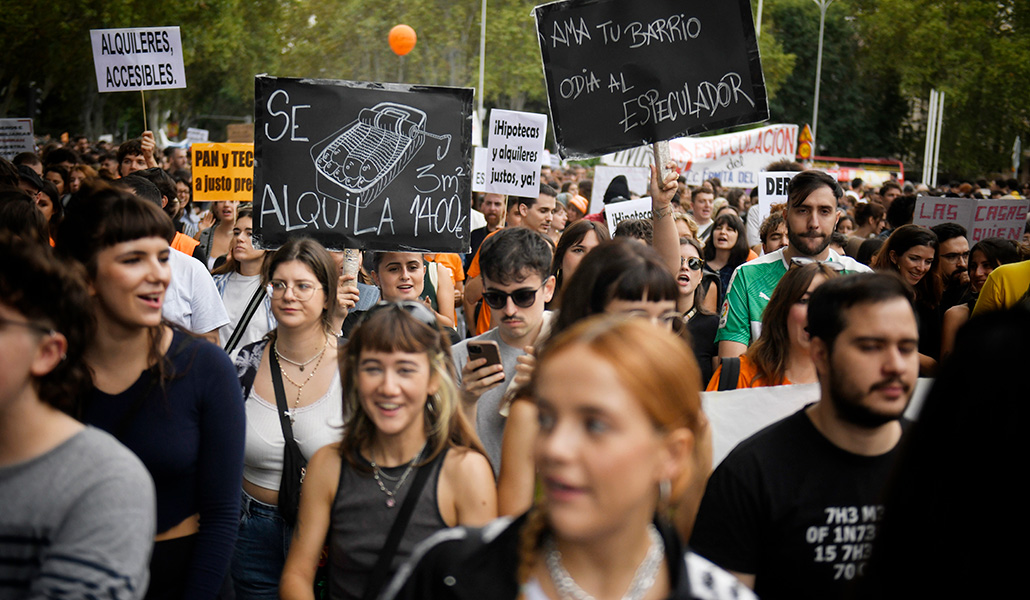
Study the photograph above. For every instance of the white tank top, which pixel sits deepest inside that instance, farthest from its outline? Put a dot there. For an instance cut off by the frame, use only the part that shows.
(315, 425)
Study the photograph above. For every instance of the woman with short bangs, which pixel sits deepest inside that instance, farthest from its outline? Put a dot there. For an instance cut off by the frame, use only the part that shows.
(911, 252)
(171, 398)
(780, 356)
(406, 428)
(620, 436)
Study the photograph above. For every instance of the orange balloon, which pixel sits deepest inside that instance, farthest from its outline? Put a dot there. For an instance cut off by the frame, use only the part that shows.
(402, 39)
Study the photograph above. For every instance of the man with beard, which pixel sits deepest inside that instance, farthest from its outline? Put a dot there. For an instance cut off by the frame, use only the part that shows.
(793, 510)
(811, 216)
(952, 262)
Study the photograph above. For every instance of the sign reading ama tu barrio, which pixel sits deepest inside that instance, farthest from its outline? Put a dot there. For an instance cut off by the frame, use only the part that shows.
(624, 73)
(377, 166)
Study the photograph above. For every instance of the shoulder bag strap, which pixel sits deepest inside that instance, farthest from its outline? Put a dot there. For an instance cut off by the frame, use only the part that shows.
(248, 313)
(730, 374)
(280, 395)
(381, 570)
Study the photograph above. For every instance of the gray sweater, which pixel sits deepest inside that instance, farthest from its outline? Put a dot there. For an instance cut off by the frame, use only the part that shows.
(76, 522)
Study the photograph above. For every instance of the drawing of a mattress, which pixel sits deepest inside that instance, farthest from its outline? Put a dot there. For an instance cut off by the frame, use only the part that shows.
(357, 162)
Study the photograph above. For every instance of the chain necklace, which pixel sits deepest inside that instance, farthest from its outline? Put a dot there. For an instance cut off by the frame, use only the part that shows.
(292, 413)
(300, 365)
(378, 475)
(642, 581)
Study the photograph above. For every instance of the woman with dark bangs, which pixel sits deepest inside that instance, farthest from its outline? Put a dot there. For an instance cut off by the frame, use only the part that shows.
(726, 250)
(171, 398)
(407, 428)
(575, 243)
(780, 356)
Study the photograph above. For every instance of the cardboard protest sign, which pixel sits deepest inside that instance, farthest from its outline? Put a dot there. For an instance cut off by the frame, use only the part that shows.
(379, 166)
(195, 135)
(981, 218)
(516, 147)
(736, 415)
(637, 178)
(620, 211)
(145, 58)
(16, 137)
(735, 158)
(240, 133)
(223, 172)
(772, 189)
(622, 73)
(480, 169)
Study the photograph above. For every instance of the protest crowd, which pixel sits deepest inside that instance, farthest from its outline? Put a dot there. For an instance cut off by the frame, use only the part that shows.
(185, 415)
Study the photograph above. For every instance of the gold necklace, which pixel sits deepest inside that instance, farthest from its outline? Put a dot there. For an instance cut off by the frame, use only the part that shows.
(300, 386)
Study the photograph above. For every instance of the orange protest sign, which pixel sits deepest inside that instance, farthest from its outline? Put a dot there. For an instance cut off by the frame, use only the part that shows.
(223, 172)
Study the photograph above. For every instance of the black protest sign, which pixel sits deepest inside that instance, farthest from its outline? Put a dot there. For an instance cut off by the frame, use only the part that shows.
(623, 73)
(376, 166)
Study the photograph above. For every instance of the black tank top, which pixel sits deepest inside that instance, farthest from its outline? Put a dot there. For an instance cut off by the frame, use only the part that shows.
(361, 520)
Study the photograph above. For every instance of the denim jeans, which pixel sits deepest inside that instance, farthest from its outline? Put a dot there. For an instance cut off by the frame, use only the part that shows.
(261, 547)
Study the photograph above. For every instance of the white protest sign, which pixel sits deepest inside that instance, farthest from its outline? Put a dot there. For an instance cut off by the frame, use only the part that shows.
(16, 137)
(735, 158)
(197, 136)
(516, 148)
(737, 415)
(144, 58)
(772, 189)
(981, 218)
(620, 211)
(637, 178)
(480, 168)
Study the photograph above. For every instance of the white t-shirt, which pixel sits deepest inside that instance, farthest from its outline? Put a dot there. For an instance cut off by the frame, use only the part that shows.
(192, 301)
(236, 294)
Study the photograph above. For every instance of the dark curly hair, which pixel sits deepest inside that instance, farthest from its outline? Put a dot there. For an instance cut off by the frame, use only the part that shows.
(52, 294)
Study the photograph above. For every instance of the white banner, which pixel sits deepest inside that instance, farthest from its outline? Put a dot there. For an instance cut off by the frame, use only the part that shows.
(735, 158)
(738, 414)
(197, 136)
(620, 211)
(144, 58)
(516, 149)
(480, 168)
(16, 137)
(637, 178)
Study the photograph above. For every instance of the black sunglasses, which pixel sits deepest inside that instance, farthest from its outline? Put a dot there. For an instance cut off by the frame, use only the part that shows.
(693, 262)
(523, 297)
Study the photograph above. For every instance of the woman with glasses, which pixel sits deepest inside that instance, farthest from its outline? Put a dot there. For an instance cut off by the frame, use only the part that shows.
(171, 398)
(409, 463)
(780, 356)
(621, 436)
(301, 353)
(694, 285)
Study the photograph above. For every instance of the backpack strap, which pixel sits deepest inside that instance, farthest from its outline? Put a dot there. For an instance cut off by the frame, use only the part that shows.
(730, 374)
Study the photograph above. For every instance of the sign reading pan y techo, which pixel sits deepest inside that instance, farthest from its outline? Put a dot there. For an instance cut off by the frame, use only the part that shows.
(623, 73)
(144, 58)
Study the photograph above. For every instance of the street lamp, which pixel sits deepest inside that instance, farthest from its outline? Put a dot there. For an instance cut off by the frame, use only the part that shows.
(823, 5)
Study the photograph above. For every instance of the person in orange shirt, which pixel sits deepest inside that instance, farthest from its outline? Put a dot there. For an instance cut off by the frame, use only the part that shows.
(780, 356)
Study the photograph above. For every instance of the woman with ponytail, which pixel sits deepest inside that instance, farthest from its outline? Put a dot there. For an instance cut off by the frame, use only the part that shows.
(619, 436)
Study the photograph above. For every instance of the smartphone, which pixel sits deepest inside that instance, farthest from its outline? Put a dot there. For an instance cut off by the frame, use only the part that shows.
(488, 350)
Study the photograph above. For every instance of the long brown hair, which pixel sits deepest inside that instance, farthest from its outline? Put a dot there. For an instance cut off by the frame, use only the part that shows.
(231, 265)
(392, 329)
(770, 353)
(931, 286)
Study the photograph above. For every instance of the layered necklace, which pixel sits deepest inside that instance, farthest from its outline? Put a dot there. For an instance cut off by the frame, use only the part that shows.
(379, 475)
(642, 581)
(300, 365)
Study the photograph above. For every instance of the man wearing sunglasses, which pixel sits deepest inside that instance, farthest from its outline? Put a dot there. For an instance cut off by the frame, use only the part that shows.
(517, 284)
(811, 216)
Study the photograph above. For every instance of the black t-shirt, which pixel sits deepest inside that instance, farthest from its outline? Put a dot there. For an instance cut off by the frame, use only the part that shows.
(793, 509)
(702, 330)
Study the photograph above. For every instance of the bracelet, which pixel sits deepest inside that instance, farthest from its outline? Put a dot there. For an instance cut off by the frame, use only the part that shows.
(661, 212)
